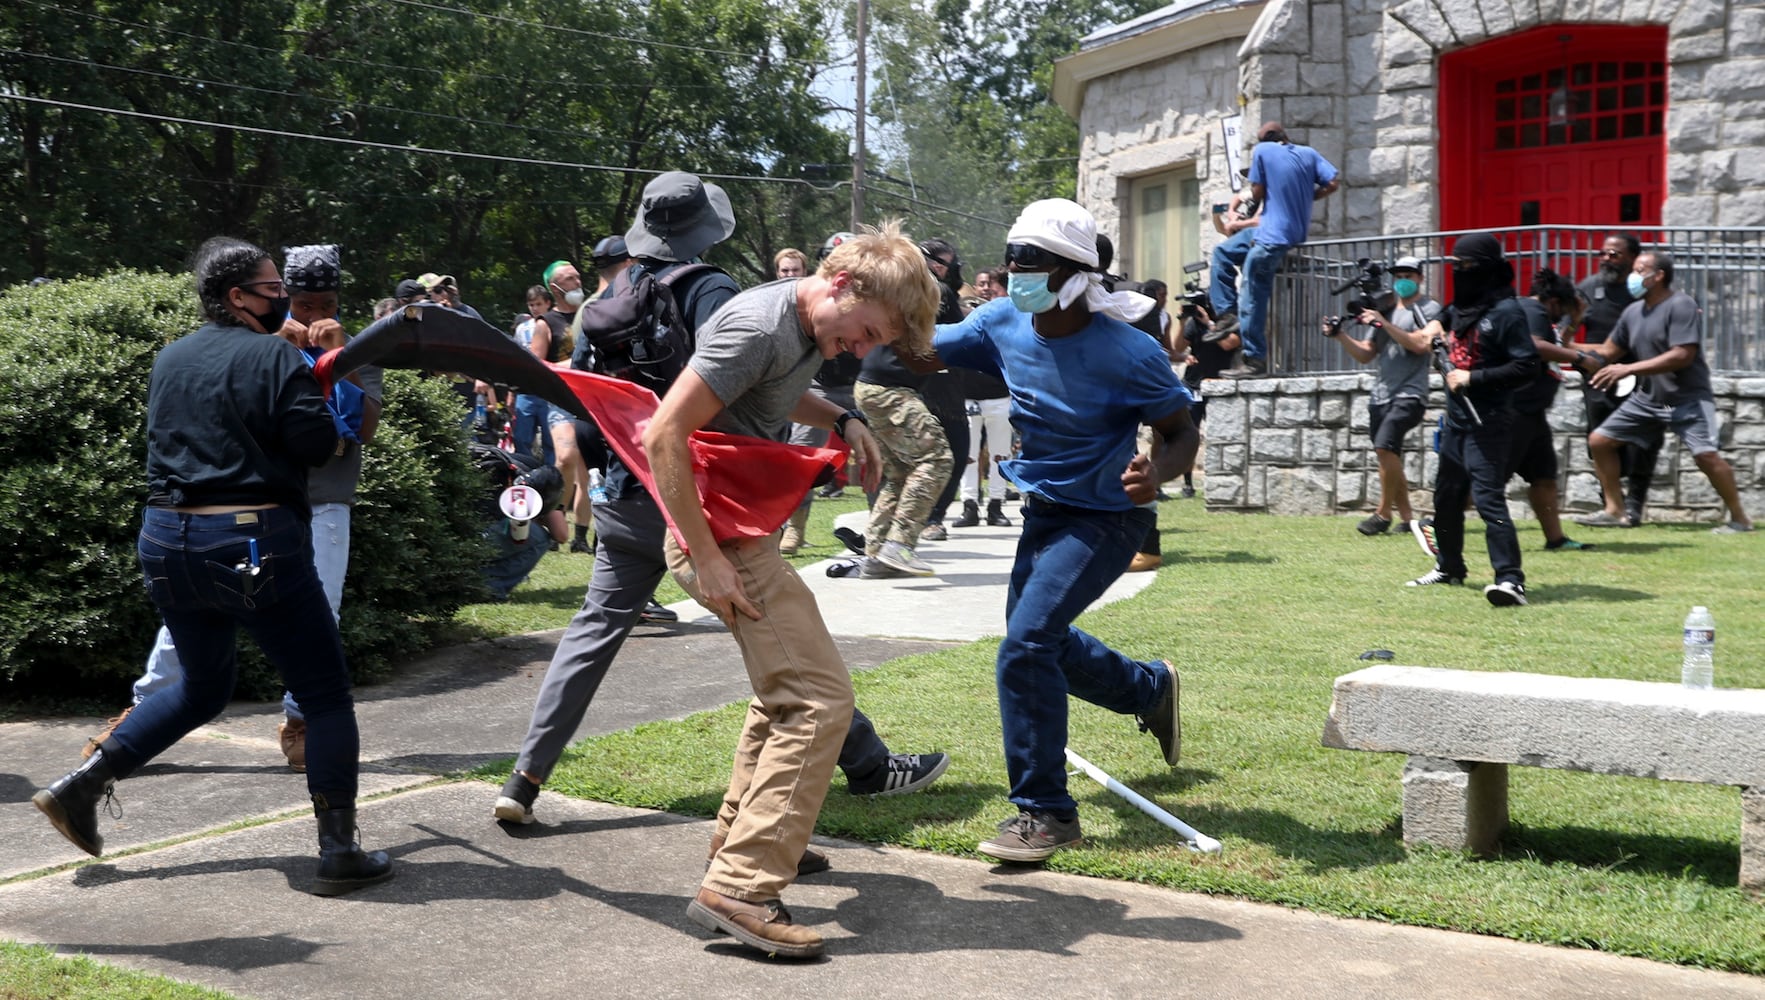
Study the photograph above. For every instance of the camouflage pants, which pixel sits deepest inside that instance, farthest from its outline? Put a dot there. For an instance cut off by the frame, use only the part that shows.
(916, 463)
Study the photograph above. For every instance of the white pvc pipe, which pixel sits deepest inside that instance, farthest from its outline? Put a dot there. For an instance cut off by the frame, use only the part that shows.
(1195, 839)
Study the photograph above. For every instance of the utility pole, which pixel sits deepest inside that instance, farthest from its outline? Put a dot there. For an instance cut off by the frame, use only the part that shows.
(858, 149)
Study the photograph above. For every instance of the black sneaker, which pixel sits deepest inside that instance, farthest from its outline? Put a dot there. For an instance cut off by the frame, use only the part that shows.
(515, 803)
(1506, 594)
(657, 614)
(830, 492)
(900, 774)
(1435, 578)
(581, 546)
(1030, 837)
(1373, 524)
(850, 539)
(1165, 721)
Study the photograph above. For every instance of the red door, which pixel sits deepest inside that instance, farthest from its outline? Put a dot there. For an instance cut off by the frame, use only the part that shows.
(1558, 125)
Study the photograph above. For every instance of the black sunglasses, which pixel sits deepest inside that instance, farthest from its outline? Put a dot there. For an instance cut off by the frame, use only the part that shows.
(1026, 255)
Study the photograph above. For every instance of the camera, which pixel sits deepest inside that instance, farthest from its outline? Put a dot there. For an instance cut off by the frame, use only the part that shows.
(1370, 293)
(1195, 303)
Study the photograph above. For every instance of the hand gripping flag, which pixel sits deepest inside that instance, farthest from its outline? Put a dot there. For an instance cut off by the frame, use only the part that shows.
(747, 486)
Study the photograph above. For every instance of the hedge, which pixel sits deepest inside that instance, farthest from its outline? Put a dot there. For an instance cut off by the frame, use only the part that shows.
(74, 618)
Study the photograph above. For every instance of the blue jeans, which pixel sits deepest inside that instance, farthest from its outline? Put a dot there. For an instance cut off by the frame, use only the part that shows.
(1066, 558)
(330, 534)
(530, 419)
(187, 561)
(1228, 259)
(1260, 265)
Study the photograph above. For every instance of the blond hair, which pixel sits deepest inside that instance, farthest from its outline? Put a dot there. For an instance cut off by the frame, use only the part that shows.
(780, 257)
(886, 266)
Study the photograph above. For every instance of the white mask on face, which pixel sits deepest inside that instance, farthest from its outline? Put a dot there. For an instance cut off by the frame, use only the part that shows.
(575, 297)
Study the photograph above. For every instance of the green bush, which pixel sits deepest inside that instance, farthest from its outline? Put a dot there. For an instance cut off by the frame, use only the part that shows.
(74, 620)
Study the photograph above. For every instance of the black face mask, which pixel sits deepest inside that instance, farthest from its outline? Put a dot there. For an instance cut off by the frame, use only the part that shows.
(1472, 287)
(272, 318)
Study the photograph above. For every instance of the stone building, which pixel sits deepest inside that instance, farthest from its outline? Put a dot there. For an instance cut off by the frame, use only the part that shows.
(1442, 115)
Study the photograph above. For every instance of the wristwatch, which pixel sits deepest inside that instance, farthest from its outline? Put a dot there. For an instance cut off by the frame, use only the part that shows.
(839, 422)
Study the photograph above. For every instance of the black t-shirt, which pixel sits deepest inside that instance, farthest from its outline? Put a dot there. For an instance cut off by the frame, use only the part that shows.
(1605, 303)
(1210, 359)
(558, 351)
(234, 417)
(1537, 395)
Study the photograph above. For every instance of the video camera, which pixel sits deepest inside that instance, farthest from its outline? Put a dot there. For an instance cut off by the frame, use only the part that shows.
(1195, 301)
(1369, 280)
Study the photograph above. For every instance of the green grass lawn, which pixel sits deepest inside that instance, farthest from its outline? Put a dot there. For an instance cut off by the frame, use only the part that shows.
(1262, 613)
(31, 972)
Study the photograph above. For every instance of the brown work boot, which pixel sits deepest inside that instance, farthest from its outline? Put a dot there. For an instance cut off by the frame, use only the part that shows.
(810, 863)
(764, 926)
(292, 733)
(109, 727)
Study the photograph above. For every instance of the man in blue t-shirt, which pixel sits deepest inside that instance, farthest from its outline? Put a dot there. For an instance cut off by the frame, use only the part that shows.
(1286, 178)
(1082, 381)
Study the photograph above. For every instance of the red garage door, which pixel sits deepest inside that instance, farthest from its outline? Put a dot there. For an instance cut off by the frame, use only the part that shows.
(1555, 126)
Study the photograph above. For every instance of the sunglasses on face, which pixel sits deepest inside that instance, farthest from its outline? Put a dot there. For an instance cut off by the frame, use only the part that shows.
(1025, 255)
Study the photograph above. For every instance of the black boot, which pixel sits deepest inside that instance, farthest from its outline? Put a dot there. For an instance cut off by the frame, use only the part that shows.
(72, 802)
(996, 514)
(971, 515)
(343, 865)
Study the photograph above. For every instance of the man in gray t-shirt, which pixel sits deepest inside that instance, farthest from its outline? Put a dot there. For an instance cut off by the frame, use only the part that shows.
(1661, 336)
(1400, 393)
(749, 374)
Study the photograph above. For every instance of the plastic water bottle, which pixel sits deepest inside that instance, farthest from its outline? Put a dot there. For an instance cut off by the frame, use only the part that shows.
(1700, 649)
(597, 491)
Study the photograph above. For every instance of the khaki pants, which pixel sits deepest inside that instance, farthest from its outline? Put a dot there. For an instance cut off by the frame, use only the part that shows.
(796, 723)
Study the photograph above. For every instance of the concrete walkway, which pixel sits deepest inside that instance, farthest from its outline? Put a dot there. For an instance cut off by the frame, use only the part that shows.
(591, 901)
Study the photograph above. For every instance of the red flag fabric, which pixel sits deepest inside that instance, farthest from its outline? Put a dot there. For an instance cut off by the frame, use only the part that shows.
(748, 486)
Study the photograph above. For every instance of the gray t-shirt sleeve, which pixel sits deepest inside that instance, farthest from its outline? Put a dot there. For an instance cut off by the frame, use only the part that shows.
(734, 350)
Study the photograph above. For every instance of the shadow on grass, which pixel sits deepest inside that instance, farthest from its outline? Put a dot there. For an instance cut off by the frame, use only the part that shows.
(1230, 558)
(1714, 862)
(1559, 592)
(1322, 850)
(1631, 548)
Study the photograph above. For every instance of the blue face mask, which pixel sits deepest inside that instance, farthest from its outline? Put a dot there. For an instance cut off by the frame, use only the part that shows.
(1029, 291)
(1405, 288)
(1633, 281)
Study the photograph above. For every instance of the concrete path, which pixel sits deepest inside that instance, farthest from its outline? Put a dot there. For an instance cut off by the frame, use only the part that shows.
(590, 901)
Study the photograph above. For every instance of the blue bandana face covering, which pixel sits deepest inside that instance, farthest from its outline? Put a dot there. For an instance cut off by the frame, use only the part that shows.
(1029, 291)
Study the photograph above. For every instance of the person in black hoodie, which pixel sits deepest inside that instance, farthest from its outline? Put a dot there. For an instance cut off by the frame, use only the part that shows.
(1487, 350)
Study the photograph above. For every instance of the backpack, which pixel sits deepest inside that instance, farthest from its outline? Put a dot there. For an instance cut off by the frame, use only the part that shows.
(638, 332)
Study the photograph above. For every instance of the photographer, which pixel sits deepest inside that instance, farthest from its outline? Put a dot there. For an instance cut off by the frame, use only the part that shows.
(1400, 393)
(1205, 349)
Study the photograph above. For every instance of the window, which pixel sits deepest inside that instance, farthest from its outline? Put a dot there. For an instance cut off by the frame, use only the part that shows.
(1165, 227)
(1582, 102)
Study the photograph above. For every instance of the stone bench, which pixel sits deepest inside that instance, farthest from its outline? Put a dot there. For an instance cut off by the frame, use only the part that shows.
(1461, 729)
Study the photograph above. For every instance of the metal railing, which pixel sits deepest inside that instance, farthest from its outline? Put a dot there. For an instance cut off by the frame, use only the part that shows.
(1723, 269)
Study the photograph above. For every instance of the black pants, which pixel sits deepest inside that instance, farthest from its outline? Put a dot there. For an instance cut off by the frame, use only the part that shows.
(1636, 463)
(955, 425)
(1474, 463)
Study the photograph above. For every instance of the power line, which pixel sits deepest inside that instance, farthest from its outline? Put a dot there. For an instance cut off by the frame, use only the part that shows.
(347, 104)
(467, 154)
(393, 147)
(399, 67)
(482, 15)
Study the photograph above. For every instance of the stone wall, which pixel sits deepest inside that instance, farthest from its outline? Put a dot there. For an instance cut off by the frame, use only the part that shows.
(1356, 80)
(1300, 446)
(1158, 116)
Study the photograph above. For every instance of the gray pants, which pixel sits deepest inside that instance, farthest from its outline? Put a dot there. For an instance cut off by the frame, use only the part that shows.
(628, 563)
